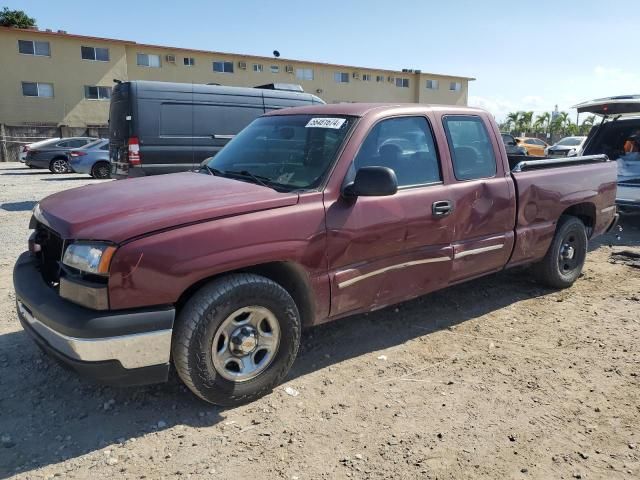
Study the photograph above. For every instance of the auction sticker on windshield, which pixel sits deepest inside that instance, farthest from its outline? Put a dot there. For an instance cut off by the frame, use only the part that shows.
(325, 122)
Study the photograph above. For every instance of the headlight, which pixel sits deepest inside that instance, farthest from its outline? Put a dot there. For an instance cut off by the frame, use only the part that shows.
(571, 152)
(89, 257)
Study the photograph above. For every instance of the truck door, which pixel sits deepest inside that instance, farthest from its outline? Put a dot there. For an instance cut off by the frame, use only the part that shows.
(382, 250)
(484, 197)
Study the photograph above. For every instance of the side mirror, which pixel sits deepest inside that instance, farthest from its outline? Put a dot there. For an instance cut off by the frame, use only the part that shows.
(372, 182)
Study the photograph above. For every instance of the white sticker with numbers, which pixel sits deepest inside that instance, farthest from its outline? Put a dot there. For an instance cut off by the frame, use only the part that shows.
(325, 122)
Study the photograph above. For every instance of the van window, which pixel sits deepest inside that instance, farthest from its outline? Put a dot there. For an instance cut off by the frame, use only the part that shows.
(471, 149)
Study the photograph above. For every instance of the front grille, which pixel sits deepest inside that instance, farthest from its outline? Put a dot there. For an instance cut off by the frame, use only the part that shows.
(50, 254)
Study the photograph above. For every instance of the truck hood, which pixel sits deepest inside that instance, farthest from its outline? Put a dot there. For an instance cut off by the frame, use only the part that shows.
(119, 210)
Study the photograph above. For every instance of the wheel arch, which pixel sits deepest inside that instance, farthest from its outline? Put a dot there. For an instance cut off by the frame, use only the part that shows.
(289, 275)
(586, 212)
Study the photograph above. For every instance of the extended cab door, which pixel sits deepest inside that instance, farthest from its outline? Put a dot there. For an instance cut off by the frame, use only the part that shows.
(385, 249)
(484, 196)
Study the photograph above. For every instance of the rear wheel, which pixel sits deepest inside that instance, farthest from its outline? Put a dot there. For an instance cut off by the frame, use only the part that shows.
(59, 165)
(236, 339)
(101, 170)
(564, 260)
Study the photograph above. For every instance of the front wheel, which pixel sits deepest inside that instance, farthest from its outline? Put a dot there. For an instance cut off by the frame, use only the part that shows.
(563, 263)
(59, 165)
(236, 339)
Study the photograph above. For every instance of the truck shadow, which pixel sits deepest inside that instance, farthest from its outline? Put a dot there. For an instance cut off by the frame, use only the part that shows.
(627, 234)
(50, 415)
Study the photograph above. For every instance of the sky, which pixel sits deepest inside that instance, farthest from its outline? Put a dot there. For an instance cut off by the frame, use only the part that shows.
(524, 55)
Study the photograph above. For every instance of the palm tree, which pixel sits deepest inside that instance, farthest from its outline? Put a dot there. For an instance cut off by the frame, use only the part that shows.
(525, 122)
(586, 125)
(541, 124)
(564, 121)
(512, 120)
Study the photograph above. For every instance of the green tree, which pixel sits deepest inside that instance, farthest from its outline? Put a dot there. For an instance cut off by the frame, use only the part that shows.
(541, 125)
(525, 122)
(586, 125)
(16, 18)
(512, 120)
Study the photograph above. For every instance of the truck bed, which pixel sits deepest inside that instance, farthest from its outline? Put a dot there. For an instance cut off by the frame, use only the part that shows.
(546, 188)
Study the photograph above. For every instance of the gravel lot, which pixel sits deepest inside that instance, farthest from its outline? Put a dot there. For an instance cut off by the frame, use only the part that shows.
(497, 378)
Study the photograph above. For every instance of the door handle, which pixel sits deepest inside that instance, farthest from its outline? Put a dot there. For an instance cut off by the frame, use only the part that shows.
(442, 208)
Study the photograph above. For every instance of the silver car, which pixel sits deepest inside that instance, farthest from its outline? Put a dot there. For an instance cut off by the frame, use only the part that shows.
(92, 159)
(53, 154)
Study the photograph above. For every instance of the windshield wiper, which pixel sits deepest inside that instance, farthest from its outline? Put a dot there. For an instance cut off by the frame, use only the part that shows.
(211, 170)
(264, 181)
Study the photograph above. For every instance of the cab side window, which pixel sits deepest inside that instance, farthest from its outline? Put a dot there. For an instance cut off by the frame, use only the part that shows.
(470, 146)
(405, 145)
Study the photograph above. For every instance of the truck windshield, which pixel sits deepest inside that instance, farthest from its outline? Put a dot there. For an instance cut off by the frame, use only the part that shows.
(287, 152)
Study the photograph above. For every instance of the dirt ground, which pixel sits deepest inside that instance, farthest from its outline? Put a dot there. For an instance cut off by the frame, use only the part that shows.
(497, 378)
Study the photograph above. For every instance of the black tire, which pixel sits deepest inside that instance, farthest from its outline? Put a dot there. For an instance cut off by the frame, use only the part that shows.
(562, 265)
(55, 165)
(101, 170)
(199, 321)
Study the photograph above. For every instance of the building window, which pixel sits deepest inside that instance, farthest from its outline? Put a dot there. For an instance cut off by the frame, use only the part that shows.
(257, 67)
(148, 60)
(402, 82)
(455, 86)
(223, 67)
(433, 84)
(93, 53)
(97, 93)
(29, 47)
(366, 77)
(379, 78)
(34, 89)
(189, 61)
(341, 77)
(304, 73)
(274, 68)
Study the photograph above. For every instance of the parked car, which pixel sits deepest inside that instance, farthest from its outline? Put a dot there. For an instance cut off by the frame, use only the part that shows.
(24, 149)
(308, 215)
(566, 147)
(534, 146)
(617, 136)
(92, 159)
(161, 127)
(511, 145)
(53, 153)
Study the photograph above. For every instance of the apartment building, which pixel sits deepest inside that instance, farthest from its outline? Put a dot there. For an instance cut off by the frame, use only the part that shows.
(56, 78)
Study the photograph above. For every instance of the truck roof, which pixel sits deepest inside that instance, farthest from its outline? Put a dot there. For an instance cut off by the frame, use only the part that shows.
(361, 109)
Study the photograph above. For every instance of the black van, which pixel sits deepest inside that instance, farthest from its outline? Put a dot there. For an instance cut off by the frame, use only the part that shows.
(162, 127)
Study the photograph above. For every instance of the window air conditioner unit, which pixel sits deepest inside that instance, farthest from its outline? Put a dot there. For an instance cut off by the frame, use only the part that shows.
(170, 58)
(242, 65)
(288, 69)
(356, 75)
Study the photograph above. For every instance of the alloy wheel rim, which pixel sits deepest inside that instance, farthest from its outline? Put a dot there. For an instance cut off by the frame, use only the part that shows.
(59, 166)
(246, 343)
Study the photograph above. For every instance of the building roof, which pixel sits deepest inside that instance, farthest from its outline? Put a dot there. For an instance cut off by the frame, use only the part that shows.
(64, 34)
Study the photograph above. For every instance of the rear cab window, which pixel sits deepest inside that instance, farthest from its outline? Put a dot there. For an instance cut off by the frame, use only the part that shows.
(472, 152)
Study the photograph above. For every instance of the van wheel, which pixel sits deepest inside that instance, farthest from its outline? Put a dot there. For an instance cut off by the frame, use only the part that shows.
(563, 263)
(101, 170)
(59, 165)
(236, 339)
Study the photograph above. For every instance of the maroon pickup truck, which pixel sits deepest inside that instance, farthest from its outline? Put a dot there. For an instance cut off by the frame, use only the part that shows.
(308, 215)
